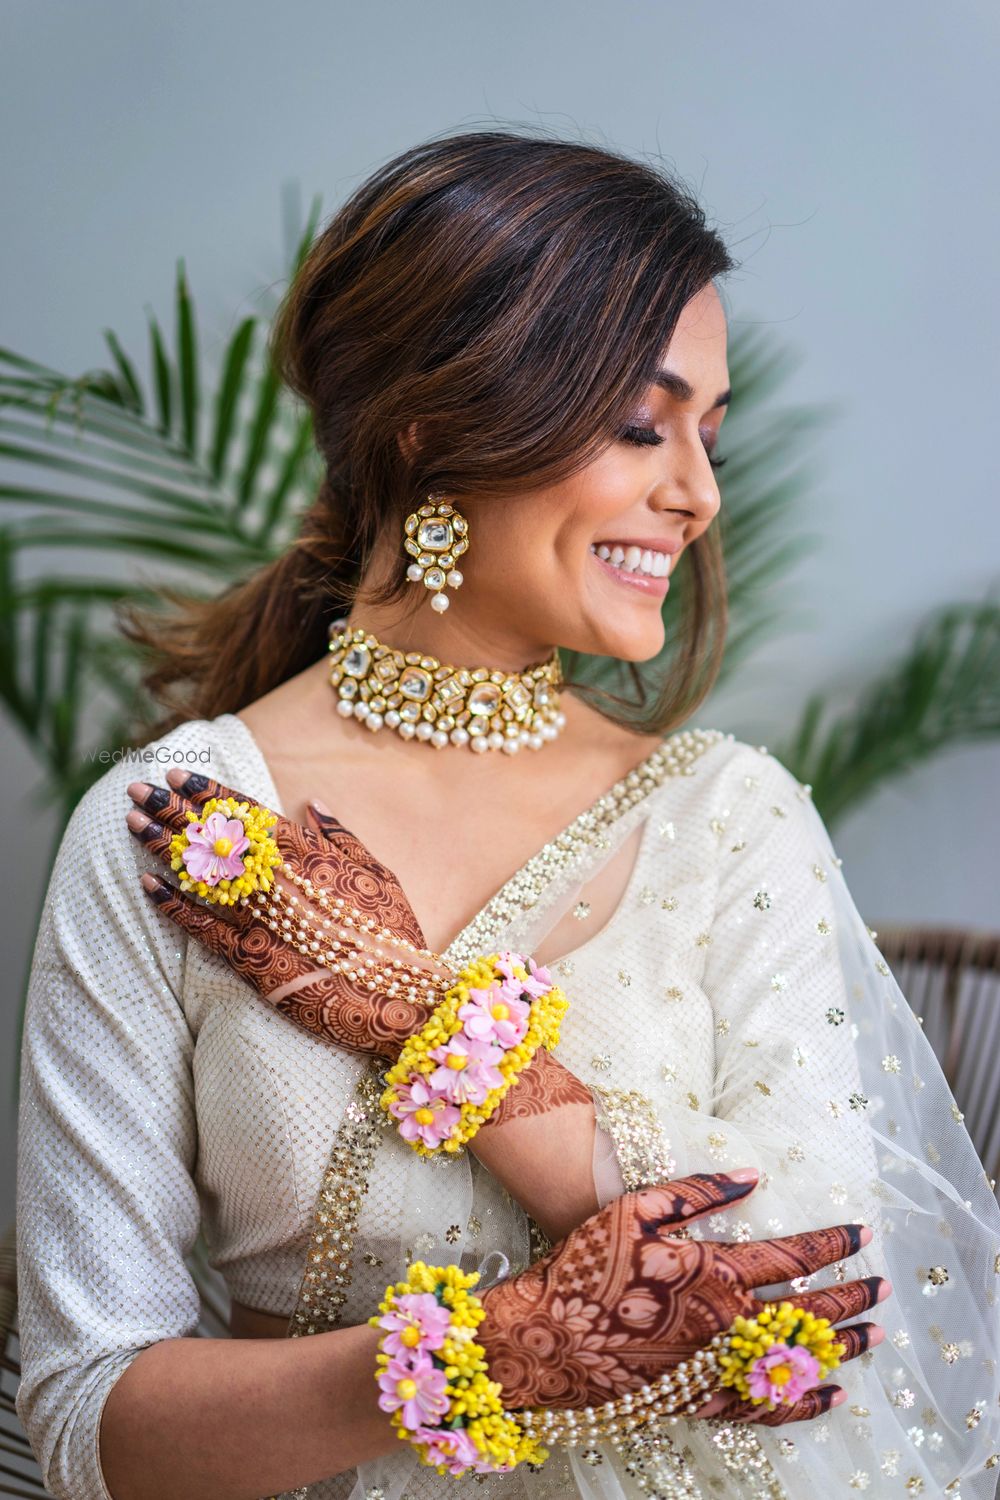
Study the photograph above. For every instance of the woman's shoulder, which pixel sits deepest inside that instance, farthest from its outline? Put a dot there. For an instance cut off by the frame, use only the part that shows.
(721, 755)
(725, 776)
(221, 748)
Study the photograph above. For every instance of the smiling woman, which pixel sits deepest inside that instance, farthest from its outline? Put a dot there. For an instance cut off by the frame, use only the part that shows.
(555, 1105)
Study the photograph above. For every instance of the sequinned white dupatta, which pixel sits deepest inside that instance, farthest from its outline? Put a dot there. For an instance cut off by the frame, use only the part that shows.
(734, 1011)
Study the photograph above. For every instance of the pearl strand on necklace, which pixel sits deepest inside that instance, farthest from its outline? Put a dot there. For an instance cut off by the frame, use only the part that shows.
(420, 697)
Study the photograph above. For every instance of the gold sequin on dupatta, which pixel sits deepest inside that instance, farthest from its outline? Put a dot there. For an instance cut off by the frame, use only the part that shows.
(327, 1275)
(743, 1456)
(642, 1149)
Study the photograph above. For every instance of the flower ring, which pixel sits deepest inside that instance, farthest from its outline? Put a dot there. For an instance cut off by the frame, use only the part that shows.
(780, 1354)
(227, 851)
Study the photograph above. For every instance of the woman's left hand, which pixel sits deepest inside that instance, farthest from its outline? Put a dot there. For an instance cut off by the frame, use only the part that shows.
(332, 1005)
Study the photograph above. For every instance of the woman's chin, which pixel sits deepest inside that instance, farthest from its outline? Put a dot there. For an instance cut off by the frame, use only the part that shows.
(637, 641)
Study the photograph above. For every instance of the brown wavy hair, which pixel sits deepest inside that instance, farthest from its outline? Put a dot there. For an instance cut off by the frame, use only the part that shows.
(510, 293)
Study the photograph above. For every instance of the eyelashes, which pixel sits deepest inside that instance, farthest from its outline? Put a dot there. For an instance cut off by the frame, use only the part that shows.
(648, 437)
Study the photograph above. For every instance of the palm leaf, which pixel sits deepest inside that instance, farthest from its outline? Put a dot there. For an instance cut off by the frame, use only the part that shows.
(130, 488)
(943, 690)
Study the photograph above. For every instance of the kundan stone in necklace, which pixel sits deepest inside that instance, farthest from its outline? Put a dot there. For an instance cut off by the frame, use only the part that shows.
(423, 698)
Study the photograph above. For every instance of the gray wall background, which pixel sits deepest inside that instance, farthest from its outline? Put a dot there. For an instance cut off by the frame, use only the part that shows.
(847, 153)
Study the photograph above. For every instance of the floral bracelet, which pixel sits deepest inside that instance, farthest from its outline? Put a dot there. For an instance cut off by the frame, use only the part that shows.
(769, 1360)
(452, 1074)
(434, 1379)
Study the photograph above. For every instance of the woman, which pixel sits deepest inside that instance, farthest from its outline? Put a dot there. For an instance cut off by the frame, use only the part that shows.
(515, 356)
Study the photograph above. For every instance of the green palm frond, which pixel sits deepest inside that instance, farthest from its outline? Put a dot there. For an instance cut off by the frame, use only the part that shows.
(145, 486)
(944, 690)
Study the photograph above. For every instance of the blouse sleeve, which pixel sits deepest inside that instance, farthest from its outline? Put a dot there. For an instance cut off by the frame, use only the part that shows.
(106, 1204)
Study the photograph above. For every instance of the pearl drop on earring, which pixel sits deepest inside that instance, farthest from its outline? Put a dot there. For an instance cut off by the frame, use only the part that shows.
(439, 602)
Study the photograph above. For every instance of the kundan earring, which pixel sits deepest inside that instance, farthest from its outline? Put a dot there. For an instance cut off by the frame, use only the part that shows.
(436, 535)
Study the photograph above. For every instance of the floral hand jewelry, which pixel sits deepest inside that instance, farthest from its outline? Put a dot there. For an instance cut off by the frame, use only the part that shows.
(434, 1379)
(780, 1354)
(227, 851)
(452, 1074)
(457, 1042)
(772, 1359)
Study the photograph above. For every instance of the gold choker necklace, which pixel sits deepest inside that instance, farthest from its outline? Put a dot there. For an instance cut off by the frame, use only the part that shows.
(425, 699)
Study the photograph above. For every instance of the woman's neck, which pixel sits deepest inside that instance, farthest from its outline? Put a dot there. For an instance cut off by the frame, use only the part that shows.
(457, 636)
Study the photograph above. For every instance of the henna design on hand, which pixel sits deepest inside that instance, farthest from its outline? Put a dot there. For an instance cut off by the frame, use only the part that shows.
(332, 1005)
(620, 1300)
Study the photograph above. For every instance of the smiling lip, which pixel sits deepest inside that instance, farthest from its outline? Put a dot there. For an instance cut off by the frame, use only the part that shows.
(644, 543)
(643, 583)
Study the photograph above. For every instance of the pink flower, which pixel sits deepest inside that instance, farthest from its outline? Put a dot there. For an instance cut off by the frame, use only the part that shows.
(417, 1321)
(423, 1113)
(783, 1374)
(467, 1071)
(449, 1445)
(539, 980)
(215, 848)
(495, 1015)
(416, 1388)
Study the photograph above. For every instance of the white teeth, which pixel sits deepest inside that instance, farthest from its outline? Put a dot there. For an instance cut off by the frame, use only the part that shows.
(634, 559)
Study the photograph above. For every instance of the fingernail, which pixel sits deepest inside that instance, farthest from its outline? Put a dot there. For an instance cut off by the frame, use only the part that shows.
(885, 1290)
(138, 790)
(876, 1335)
(837, 1396)
(745, 1174)
(321, 807)
(136, 819)
(149, 882)
(189, 782)
(858, 1235)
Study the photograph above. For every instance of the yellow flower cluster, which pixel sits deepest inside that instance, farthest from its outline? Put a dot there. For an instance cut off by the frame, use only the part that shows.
(544, 1017)
(783, 1323)
(259, 861)
(472, 1396)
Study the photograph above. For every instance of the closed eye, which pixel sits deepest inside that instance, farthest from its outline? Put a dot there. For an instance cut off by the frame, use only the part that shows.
(648, 437)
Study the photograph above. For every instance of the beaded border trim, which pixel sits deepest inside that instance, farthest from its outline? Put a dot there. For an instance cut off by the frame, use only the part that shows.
(642, 1149)
(327, 1275)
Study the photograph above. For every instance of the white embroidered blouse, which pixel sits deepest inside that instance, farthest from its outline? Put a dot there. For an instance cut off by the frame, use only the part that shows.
(733, 1011)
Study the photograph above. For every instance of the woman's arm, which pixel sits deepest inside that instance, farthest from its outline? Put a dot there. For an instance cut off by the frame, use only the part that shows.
(540, 1143)
(108, 1211)
(540, 1146)
(216, 1419)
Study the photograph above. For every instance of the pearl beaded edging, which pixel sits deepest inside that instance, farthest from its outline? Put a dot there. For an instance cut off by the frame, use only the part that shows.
(423, 698)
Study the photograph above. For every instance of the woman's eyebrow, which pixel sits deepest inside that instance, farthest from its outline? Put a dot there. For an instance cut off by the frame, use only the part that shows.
(679, 387)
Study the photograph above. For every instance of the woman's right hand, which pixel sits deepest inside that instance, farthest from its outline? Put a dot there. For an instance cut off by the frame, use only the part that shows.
(621, 1299)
